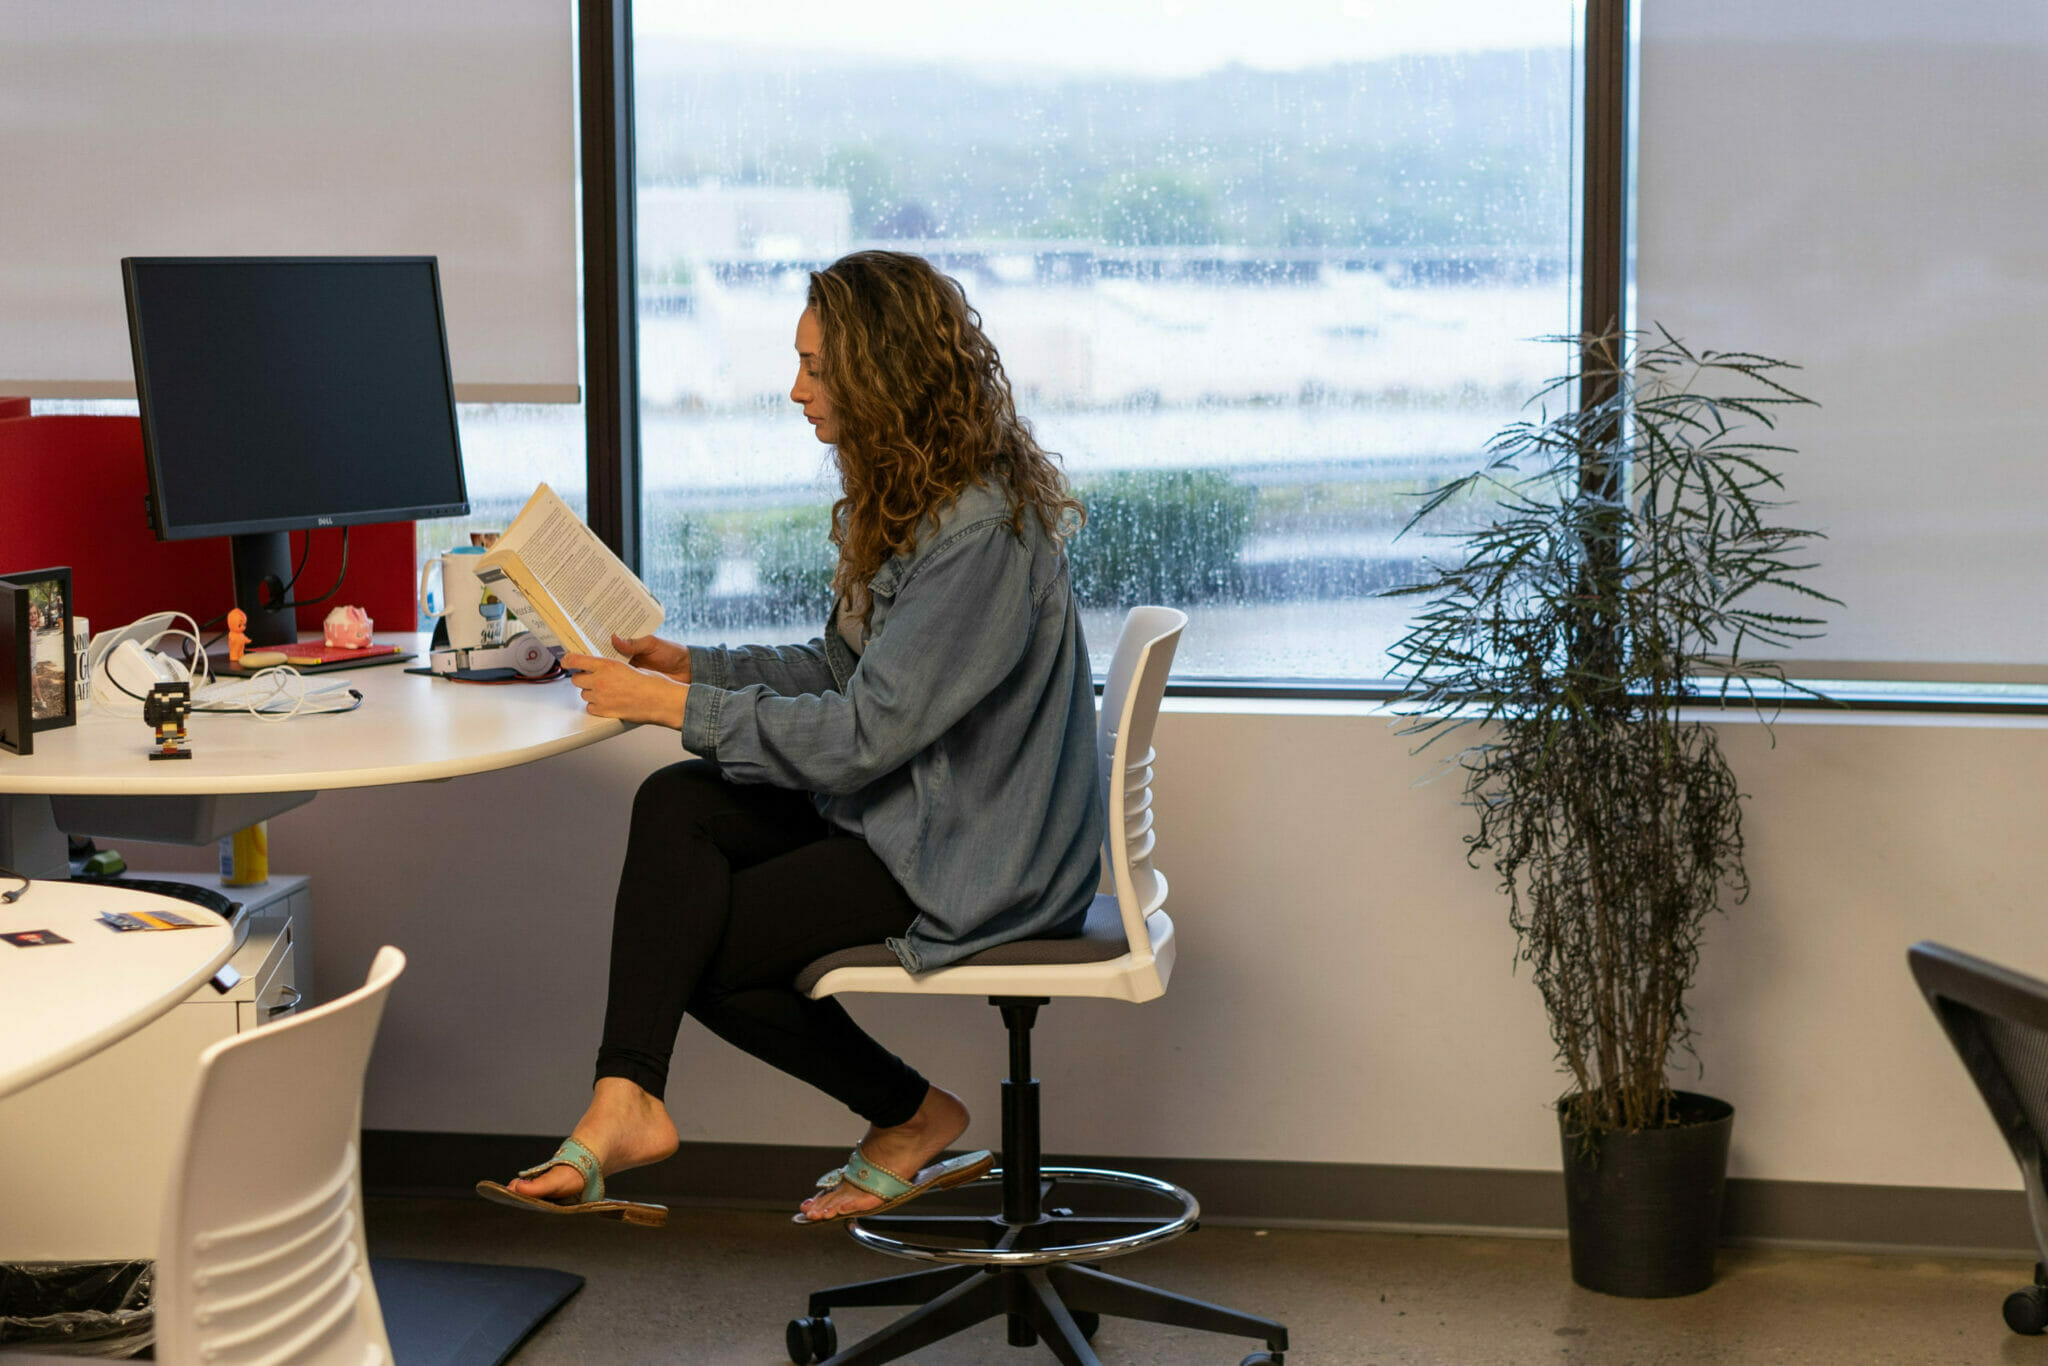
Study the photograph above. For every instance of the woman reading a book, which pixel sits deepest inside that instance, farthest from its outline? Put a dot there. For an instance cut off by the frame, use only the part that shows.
(924, 773)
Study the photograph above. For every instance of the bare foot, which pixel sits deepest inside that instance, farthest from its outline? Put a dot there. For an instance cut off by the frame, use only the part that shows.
(624, 1126)
(904, 1150)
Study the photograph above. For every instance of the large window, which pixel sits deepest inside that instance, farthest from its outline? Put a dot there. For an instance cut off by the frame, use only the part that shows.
(1258, 280)
(507, 450)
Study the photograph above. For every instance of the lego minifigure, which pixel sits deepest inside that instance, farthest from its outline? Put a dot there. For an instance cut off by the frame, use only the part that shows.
(166, 708)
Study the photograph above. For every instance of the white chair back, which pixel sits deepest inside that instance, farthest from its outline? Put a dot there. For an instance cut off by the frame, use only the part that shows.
(1130, 706)
(261, 1260)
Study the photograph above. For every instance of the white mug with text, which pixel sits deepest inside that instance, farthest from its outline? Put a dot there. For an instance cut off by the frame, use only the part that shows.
(449, 590)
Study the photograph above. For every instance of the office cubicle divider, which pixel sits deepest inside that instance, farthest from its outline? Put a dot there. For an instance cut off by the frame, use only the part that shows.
(74, 496)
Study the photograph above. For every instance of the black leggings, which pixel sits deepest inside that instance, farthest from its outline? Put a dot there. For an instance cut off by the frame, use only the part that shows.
(728, 890)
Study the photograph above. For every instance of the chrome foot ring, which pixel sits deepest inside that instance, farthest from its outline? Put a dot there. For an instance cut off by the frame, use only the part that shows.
(1165, 1231)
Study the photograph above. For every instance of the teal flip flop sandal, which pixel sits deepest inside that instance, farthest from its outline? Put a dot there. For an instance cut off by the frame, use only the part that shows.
(592, 1201)
(893, 1190)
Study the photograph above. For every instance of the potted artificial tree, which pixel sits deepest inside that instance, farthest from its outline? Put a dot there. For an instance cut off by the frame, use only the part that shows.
(1630, 566)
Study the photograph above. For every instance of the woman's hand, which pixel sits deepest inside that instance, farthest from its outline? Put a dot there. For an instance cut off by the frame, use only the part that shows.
(618, 690)
(652, 652)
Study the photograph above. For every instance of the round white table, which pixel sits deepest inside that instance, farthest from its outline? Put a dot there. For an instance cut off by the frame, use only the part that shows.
(410, 728)
(96, 777)
(62, 1002)
(67, 1000)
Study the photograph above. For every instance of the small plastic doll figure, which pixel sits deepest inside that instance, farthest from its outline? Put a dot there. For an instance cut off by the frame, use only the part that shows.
(238, 638)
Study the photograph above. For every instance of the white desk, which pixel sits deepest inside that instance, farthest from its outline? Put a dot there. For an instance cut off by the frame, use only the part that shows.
(410, 728)
(62, 1002)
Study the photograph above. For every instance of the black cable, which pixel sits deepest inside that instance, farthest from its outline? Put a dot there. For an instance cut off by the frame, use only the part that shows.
(305, 553)
(123, 686)
(338, 577)
(9, 898)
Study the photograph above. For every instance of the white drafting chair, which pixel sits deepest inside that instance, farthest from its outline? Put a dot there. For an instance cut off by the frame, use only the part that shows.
(1032, 1262)
(261, 1259)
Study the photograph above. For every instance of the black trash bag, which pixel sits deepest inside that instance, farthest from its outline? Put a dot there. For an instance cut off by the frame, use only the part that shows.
(87, 1309)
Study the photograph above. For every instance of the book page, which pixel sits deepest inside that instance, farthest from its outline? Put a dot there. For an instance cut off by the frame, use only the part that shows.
(577, 574)
(505, 589)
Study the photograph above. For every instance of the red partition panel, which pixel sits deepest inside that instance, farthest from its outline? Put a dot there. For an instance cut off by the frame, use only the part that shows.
(71, 493)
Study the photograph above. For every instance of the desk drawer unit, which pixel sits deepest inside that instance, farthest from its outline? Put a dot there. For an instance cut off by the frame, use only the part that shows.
(273, 990)
(90, 1146)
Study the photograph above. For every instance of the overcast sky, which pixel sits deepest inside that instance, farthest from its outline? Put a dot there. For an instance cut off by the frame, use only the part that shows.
(1159, 37)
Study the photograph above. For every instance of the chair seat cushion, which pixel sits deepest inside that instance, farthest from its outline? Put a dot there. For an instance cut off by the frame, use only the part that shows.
(1101, 938)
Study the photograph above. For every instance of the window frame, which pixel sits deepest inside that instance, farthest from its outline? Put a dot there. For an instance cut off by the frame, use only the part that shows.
(611, 346)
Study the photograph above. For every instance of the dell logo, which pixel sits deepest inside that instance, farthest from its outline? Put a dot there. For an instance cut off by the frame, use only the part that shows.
(326, 521)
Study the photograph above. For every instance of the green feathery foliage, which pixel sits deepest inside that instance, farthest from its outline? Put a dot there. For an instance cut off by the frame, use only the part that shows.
(1632, 567)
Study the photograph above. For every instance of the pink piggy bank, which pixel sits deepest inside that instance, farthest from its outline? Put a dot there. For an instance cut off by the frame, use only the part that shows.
(347, 628)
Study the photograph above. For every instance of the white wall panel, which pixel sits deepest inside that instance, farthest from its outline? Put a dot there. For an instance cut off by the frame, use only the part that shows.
(1346, 990)
(249, 127)
(1860, 188)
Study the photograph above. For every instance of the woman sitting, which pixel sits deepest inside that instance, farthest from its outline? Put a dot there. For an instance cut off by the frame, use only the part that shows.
(923, 774)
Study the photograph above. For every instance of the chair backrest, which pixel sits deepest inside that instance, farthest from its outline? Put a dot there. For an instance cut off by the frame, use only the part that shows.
(261, 1258)
(1130, 706)
(1998, 1021)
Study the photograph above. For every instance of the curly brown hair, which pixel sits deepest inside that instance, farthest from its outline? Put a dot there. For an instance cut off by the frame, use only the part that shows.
(923, 410)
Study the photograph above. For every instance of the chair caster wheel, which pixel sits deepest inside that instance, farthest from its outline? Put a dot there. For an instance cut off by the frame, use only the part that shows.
(811, 1339)
(1264, 1359)
(2026, 1311)
(1087, 1320)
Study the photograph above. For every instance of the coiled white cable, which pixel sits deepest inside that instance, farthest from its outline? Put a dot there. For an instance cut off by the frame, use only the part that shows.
(260, 693)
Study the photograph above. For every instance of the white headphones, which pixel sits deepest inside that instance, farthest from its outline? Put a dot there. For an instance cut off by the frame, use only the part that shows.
(124, 664)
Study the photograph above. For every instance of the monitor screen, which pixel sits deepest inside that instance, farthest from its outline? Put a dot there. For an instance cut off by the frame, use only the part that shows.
(280, 393)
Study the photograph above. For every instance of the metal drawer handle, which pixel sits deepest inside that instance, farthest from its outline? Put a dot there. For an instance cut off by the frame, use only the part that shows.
(282, 1006)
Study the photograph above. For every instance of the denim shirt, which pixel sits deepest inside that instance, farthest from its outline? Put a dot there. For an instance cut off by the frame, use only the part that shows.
(960, 743)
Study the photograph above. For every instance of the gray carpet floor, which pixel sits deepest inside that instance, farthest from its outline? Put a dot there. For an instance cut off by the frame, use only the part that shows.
(715, 1288)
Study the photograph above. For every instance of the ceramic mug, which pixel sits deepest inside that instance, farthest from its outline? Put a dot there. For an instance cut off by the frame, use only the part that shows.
(450, 592)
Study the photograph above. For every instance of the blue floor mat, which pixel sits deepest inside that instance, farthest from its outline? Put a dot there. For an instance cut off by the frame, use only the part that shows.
(464, 1313)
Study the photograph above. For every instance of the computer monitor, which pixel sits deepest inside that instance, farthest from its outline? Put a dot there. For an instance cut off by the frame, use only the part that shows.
(281, 394)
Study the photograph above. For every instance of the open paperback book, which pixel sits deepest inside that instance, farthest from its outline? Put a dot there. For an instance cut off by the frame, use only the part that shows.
(563, 583)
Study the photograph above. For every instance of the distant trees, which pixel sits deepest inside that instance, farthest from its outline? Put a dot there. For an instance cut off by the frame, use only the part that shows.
(1426, 152)
(1156, 209)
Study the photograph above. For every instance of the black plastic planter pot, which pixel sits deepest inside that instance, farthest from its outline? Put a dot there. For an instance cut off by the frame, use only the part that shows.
(1644, 1209)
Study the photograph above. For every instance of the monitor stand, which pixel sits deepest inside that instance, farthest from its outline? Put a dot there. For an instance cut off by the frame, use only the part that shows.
(262, 564)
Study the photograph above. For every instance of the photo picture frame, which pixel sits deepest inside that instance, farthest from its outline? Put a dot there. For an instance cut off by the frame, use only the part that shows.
(42, 642)
(17, 736)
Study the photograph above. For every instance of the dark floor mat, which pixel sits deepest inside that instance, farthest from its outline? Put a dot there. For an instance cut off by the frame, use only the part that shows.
(464, 1313)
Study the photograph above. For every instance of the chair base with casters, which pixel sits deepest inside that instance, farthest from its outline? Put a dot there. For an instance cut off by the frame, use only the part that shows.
(1998, 1021)
(1032, 1263)
(1035, 1262)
